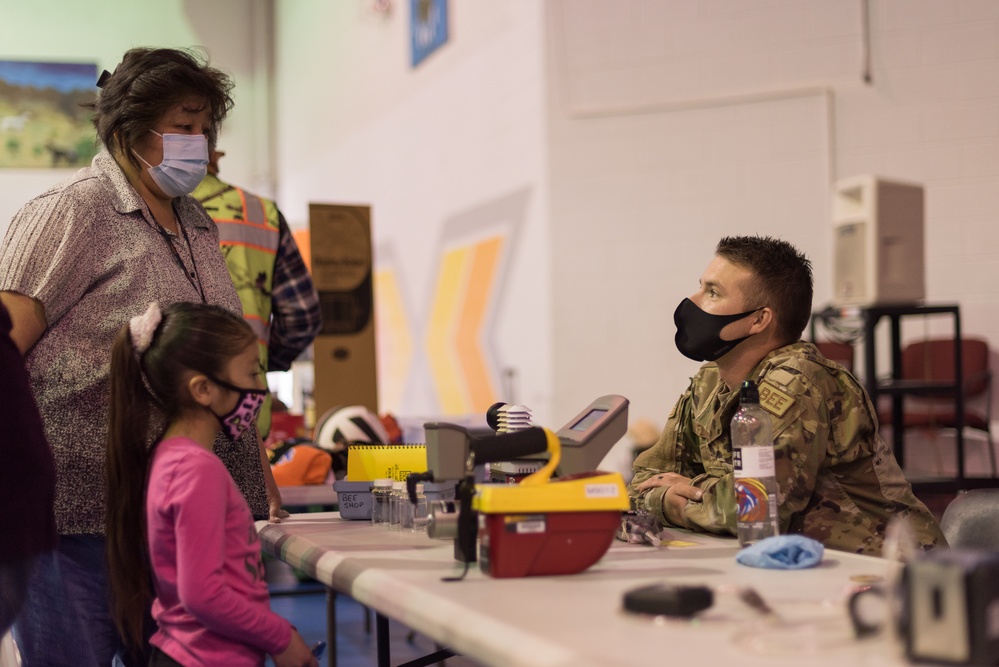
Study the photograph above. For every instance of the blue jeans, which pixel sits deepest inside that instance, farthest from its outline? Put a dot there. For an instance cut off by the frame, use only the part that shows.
(158, 658)
(66, 618)
(13, 588)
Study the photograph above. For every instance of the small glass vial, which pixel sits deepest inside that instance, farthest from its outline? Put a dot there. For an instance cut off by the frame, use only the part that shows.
(421, 512)
(398, 491)
(405, 512)
(381, 496)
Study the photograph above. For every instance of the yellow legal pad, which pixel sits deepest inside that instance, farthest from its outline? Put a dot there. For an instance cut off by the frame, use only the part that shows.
(368, 462)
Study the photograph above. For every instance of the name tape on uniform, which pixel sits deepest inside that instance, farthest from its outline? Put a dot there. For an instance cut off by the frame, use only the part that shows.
(773, 400)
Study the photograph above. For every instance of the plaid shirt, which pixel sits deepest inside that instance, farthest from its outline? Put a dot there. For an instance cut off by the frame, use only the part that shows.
(295, 315)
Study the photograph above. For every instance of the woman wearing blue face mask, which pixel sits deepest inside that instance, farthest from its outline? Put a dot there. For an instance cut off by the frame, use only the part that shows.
(77, 262)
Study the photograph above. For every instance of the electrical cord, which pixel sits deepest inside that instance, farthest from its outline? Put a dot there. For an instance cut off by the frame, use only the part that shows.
(842, 327)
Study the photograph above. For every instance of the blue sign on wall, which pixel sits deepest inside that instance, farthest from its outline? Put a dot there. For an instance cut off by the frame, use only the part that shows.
(428, 27)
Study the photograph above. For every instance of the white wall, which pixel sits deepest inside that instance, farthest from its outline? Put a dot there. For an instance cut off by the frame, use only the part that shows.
(100, 31)
(673, 123)
(641, 131)
(428, 149)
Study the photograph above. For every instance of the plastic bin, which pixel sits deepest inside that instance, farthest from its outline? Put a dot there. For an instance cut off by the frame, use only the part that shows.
(354, 498)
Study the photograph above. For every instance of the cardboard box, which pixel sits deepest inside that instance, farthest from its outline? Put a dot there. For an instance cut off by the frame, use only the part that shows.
(344, 352)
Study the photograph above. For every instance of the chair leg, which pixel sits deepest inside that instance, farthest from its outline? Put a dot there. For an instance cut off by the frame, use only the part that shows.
(992, 453)
(934, 438)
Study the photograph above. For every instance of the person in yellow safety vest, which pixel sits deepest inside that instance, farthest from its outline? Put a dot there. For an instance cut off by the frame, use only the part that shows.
(279, 300)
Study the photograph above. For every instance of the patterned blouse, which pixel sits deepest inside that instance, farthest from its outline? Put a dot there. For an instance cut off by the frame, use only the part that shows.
(91, 252)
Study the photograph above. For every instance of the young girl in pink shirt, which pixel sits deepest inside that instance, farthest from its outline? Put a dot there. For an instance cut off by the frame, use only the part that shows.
(173, 510)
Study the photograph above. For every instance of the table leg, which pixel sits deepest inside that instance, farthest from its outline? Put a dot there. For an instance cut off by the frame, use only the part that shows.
(382, 640)
(330, 627)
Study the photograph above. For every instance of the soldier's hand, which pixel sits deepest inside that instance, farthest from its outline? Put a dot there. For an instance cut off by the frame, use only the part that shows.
(675, 502)
(663, 479)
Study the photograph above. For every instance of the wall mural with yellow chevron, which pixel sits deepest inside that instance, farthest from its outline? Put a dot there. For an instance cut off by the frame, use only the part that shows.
(393, 332)
(461, 304)
(467, 282)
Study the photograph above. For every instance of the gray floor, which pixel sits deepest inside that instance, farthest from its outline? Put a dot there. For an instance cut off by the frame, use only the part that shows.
(304, 604)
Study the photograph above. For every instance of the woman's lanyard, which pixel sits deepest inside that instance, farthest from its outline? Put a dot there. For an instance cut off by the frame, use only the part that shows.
(192, 275)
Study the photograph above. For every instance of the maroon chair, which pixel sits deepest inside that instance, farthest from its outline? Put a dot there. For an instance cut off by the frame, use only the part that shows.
(841, 353)
(933, 361)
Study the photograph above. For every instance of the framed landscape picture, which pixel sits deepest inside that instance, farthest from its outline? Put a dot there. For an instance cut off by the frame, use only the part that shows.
(42, 120)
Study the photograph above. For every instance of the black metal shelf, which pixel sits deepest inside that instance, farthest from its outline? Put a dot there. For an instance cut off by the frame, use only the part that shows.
(897, 388)
(915, 387)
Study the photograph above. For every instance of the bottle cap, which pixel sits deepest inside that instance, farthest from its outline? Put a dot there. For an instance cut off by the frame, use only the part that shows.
(383, 483)
(419, 489)
(748, 393)
(398, 486)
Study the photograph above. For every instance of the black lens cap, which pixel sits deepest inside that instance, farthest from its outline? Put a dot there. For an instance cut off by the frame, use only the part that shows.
(667, 600)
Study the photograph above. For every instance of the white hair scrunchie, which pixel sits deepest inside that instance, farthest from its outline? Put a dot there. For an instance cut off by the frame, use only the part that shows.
(142, 327)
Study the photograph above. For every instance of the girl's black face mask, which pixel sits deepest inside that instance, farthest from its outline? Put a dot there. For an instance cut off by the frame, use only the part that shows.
(698, 334)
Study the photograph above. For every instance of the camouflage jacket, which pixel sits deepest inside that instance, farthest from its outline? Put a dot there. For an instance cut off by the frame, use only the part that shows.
(839, 483)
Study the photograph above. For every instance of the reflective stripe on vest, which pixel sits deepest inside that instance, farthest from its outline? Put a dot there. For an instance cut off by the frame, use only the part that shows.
(239, 234)
(260, 330)
(249, 233)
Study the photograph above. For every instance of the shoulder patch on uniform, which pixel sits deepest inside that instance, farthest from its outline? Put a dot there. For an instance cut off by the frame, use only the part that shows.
(773, 400)
(781, 376)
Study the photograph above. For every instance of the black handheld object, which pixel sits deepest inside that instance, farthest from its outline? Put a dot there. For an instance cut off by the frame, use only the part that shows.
(414, 478)
(667, 600)
(507, 446)
(489, 449)
(452, 453)
(452, 449)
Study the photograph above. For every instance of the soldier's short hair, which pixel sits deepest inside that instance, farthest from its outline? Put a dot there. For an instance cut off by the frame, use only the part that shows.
(783, 279)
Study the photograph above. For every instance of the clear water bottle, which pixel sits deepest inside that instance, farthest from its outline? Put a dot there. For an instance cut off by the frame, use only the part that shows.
(755, 475)
(380, 502)
(421, 511)
(395, 504)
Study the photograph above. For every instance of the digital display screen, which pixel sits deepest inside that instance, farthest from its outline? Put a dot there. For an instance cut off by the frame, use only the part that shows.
(591, 418)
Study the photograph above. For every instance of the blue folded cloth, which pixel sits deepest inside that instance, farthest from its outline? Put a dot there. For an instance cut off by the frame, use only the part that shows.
(782, 552)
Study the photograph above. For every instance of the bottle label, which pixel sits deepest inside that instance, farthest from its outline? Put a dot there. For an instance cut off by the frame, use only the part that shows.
(753, 465)
(754, 462)
(754, 503)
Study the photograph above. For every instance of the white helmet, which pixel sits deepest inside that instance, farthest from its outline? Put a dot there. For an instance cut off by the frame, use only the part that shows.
(349, 424)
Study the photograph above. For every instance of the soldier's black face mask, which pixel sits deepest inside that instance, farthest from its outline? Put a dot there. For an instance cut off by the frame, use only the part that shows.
(698, 334)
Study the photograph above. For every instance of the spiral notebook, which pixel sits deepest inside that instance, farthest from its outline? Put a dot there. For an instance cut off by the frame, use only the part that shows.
(368, 462)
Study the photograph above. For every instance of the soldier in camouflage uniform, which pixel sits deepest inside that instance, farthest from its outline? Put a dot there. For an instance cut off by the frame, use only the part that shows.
(838, 481)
